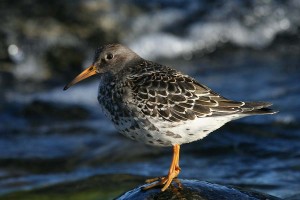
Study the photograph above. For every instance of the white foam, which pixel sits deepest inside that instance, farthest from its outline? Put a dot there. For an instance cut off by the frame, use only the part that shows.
(256, 29)
(83, 94)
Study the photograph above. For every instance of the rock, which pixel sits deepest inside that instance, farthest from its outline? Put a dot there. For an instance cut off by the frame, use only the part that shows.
(193, 190)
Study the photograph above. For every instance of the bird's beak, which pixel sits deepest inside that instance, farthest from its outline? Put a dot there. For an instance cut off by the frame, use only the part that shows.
(90, 71)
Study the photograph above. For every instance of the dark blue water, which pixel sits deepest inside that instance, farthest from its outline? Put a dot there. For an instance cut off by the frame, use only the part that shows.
(243, 50)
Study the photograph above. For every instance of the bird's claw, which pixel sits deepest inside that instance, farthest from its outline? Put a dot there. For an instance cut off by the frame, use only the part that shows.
(162, 181)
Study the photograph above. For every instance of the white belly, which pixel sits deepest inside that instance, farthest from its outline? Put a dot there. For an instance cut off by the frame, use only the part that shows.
(190, 131)
(163, 133)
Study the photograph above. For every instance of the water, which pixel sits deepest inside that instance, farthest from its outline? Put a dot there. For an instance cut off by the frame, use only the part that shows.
(243, 50)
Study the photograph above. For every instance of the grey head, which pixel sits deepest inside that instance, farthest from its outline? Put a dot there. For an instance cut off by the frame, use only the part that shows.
(111, 58)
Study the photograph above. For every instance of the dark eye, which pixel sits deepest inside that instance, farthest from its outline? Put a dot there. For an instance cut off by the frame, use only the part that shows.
(109, 56)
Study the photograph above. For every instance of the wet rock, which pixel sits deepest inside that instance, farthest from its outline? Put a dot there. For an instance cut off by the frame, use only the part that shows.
(193, 190)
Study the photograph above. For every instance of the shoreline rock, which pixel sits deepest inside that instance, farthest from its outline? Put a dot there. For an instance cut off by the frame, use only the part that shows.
(194, 190)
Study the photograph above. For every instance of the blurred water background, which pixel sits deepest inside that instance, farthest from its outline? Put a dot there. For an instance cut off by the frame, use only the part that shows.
(245, 50)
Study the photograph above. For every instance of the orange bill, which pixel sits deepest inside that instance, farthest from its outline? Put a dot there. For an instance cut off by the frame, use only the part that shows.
(90, 71)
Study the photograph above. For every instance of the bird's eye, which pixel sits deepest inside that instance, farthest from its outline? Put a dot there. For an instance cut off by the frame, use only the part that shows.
(109, 56)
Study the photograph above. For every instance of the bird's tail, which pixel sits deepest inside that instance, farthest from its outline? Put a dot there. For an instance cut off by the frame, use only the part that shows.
(257, 108)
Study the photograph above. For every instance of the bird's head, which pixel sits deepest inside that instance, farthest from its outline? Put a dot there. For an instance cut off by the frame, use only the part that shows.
(110, 58)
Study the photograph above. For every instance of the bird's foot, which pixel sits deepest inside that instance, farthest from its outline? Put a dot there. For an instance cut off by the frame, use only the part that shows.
(162, 181)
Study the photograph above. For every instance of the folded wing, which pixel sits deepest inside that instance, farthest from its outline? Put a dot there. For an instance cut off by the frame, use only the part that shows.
(161, 92)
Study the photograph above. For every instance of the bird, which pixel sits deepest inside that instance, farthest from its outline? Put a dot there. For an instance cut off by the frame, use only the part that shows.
(158, 105)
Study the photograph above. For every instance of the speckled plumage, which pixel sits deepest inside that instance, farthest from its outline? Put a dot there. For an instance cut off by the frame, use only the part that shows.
(158, 105)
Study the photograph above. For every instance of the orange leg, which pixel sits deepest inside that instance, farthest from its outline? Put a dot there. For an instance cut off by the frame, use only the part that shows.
(173, 172)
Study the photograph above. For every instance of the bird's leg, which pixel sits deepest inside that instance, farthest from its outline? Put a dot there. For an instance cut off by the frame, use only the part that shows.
(173, 172)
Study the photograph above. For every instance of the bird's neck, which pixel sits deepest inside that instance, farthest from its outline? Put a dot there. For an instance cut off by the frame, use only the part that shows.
(128, 68)
(107, 78)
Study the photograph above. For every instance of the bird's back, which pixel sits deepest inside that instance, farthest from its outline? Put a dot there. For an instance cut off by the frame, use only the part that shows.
(164, 93)
(158, 105)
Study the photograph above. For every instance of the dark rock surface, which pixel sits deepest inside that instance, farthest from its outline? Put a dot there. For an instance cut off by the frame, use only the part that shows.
(194, 190)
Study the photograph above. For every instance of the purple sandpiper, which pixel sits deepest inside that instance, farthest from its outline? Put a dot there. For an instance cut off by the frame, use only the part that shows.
(158, 105)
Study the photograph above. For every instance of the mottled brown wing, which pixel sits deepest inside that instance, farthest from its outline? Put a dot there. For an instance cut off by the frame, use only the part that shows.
(164, 93)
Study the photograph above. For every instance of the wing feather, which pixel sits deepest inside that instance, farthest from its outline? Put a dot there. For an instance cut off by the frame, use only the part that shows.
(175, 97)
